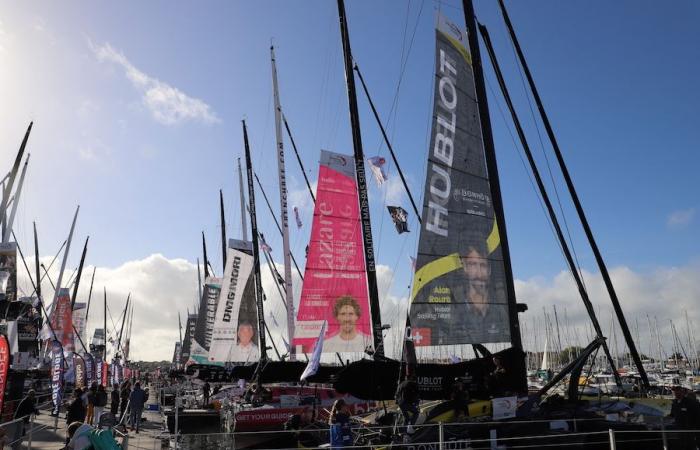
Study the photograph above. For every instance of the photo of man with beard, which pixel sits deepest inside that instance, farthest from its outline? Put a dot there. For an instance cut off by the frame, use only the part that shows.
(347, 312)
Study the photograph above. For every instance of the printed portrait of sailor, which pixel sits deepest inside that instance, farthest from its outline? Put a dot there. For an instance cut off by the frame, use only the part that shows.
(482, 288)
(347, 313)
(245, 350)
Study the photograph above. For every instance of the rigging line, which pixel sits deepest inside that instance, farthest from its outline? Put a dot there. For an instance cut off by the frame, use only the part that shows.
(518, 151)
(544, 153)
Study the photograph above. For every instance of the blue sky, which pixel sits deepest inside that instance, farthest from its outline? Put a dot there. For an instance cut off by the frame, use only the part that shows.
(619, 81)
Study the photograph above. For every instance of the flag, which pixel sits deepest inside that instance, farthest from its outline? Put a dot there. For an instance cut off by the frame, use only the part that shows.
(400, 218)
(263, 245)
(296, 217)
(315, 360)
(376, 163)
(413, 263)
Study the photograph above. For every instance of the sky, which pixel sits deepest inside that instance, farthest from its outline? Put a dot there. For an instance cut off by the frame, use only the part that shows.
(137, 111)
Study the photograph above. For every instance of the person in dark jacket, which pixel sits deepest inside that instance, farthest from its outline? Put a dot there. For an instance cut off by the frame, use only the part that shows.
(459, 398)
(25, 408)
(124, 398)
(100, 403)
(341, 432)
(206, 392)
(76, 408)
(685, 411)
(114, 404)
(137, 399)
(407, 397)
(91, 399)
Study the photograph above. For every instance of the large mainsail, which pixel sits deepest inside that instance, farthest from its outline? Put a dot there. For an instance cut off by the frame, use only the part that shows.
(235, 332)
(335, 281)
(459, 290)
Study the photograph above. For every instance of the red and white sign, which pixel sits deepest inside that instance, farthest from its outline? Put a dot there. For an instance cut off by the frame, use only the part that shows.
(4, 366)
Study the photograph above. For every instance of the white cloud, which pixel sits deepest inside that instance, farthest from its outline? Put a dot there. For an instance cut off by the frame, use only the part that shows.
(680, 218)
(167, 104)
(160, 287)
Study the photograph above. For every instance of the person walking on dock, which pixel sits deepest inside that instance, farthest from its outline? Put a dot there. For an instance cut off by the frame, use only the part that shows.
(124, 398)
(136, 401)
(76, 411)
(341, 433)
(91, 398)
(100, 403)
(26, 408)
(685, 411)
(114, 404)
(206, 391)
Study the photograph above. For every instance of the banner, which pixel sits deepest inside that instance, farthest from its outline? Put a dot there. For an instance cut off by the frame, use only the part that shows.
(89, 369)
(79, 364)
(4, 367)
(98, 370)
(315, 360)
(504, 407)
(8, 271)
(105, 374)
(62, 320)
(207, 312)
(335, 281)
(235, 333)
(297, 218)
(459, 288)
(57, 360)
(79, 319)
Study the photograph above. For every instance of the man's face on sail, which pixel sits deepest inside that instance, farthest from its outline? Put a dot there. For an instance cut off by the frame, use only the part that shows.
(347, 318)
(245, 335)
(477, 270)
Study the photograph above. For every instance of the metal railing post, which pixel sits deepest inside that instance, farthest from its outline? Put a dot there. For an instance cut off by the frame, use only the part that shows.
(177, 410)
(31, 431)
(611, 434)
(664, 438)
(441, 435)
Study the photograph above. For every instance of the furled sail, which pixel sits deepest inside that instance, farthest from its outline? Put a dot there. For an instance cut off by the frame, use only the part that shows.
(187, 340)
(459, 289)
(335, 281)
(235, 333)
(204, 328)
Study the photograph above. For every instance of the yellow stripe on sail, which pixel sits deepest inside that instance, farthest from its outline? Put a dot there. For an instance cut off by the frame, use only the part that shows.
(460, 48)
(435, 269)
(494, 239)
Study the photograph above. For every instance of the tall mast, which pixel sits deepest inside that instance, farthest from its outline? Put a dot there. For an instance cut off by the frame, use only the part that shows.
(206, 261)
(65, 258)
(80, 272)
(545, 198)
(87, 309)
(10, 221)
(256, 253)
(492, 167)
(223, 230)
(38, 276)
(13, 173)
(199, 282)
(361, 185)
(284, 216)
(104, 352)
(244, 225)
(577, 203)
(126, 316)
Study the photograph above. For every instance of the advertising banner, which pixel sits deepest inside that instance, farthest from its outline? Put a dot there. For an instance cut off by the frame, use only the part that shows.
(207, 312)
(4, 367)
(89, 369)
(235, 333)
(79, 365)
(57, 363)
(459, 288)
(335, 281)
(62, 320)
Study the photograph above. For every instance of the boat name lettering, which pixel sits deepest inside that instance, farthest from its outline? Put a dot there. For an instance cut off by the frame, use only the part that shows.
(228, 310)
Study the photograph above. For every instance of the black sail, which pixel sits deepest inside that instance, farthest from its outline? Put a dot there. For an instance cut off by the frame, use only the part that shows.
(459, 290)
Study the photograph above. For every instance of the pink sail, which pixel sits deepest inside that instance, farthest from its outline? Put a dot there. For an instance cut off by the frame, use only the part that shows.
(62, 321)
(335, 281)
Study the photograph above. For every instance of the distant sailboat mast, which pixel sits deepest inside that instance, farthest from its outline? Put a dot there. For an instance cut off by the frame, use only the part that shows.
(284, 215)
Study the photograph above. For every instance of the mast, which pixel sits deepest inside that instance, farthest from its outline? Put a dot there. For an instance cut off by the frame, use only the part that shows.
(492, 168)
(545, 198)
(296, 153)
(87, 309)
(361, 185)
(38, 276)
(80, 272)
(104, 351)
(284, 215)
(256, 253)
(13, 174)
(126, 316)
(65, 258)
(10, 221)
(577, 203)
(244, 225)
(199, 282)
(206, 261)
(223, 230)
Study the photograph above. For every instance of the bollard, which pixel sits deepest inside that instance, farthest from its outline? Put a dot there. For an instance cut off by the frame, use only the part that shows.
(31, 431)
(611, 434)
(493, 435)
(441, 435)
